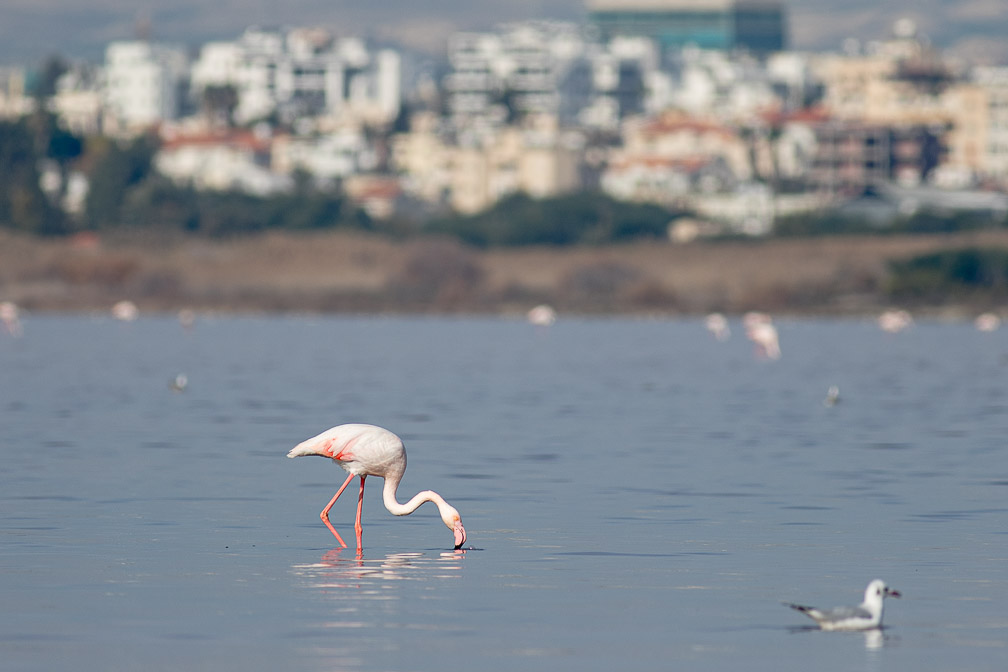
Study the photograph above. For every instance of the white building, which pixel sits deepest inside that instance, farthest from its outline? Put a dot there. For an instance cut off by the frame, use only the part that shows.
(13, 101)
(222, 161)
(516, 69)
(302, 73)
(78, 100)
(994, 81)
(143, 83)
(549, 67)
(721, 85)
(328, 157)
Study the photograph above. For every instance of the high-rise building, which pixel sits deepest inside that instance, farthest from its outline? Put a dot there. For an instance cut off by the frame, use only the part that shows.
(142, 83)
(756, 25)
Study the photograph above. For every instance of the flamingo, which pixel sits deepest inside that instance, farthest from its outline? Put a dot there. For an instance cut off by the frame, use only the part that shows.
(542, 315)
(865, 617)
(367, 450)
(10, 315)
(717, 325)
(126, 311)
(761, 331)
(987, 322)
(895, 321)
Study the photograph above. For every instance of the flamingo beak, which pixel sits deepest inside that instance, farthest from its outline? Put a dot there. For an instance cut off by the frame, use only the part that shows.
(460, 535)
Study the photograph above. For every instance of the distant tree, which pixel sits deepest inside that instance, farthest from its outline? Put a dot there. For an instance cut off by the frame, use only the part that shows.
(158, 203)
(583, 218)
(117, 170)
(64, 146)
(23, 205)
(834, 222)
(43, 84)
(54, 142)
(968, 273)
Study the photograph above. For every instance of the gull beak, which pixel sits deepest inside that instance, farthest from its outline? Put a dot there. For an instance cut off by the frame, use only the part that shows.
(460, 535)
(892, 593)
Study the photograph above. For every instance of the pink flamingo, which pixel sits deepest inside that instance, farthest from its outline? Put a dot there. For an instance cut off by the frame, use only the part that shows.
(366, 450)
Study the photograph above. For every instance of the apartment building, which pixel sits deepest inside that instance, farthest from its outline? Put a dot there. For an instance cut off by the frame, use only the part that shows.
(13, 99)
(536, 158)
(994, 82)
(144, 84)
(302, 73)
(903, 83)
(552, 68)
(515, 70)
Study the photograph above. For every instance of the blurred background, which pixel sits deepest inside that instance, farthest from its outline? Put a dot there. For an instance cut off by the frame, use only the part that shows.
(642, 156)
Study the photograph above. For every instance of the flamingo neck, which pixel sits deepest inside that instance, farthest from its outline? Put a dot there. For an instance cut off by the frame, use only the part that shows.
(397, 509)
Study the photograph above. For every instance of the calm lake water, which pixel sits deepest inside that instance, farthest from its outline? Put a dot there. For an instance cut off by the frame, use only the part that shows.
(637, 495)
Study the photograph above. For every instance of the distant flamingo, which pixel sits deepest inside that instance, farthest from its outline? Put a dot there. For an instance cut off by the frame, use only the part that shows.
(542, 315)
(717, 324)
(987, 322)
(10, 315)
(125, 311)
(366, 450)
(761, 331)
(895, 321)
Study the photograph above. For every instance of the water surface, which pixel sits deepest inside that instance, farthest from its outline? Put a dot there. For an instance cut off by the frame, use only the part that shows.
(637, 495)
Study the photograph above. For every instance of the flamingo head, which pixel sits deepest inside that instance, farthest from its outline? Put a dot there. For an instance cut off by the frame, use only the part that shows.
(451, 518)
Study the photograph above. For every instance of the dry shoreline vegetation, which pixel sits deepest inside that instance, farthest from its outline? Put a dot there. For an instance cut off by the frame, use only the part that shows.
(350, 272)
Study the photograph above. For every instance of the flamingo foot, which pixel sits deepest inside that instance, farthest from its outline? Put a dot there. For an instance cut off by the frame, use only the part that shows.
(325, 519)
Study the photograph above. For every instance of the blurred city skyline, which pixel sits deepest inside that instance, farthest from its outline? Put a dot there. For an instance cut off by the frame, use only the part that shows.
(81, 29)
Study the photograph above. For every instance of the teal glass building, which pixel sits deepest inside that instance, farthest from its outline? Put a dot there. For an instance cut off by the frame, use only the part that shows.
(756, 25)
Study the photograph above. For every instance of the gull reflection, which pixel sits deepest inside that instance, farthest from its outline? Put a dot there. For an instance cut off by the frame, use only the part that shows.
(874, 639)
(373, 578)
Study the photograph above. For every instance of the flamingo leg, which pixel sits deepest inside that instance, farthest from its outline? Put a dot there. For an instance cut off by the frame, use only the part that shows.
(357, 524)
(325, 512)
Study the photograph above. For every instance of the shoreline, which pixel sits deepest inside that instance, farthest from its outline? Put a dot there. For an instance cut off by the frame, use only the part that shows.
(342, 272)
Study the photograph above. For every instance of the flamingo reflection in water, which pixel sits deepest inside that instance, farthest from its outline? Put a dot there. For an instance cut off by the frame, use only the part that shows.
(335, 571)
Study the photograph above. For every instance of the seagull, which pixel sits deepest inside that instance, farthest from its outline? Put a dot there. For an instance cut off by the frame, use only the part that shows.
(180, 382)
(865, 617)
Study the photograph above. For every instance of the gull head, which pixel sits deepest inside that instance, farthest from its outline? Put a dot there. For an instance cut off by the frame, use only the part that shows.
(877, 590)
